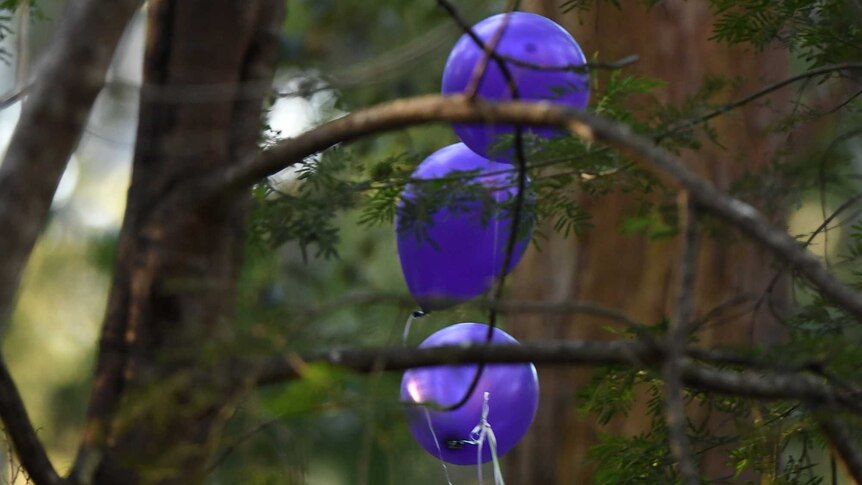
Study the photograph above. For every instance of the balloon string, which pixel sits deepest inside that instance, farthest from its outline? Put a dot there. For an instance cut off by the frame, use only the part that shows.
(520, 194)
(480, 433)
(409, 323)
(437, 443)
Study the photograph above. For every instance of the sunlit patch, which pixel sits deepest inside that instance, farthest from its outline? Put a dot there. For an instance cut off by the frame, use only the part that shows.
(415, 392)
(807, 219)
(67, 184)
(304, 101)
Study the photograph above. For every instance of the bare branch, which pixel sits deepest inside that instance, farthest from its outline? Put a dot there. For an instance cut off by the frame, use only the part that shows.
(672, 370)
(488, 50)
(284, 368)
(567, 308)
(30, 451)
(774, 385)
(50, 126)
(506, 307)
(585, 67)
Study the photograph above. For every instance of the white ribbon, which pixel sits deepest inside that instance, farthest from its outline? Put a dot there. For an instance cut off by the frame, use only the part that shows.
(482, 432)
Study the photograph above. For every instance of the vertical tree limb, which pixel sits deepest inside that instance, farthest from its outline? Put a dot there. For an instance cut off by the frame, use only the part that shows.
(676, 339)
(53, 116)
(837, 435)
(52, 119)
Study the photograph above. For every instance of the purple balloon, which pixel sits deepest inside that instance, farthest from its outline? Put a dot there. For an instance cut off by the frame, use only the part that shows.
(527, 37)
(513, 398)
(456, 253)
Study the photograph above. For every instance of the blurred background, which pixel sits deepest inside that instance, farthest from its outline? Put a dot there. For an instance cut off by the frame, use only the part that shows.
(331, 428)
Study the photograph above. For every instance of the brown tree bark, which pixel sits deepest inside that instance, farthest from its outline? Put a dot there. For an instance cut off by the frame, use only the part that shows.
(629, 272)
(157, 403)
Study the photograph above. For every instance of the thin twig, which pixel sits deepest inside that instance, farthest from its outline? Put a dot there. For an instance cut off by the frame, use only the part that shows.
(852, 66)
(821, 180)
(225, 453)
(488, 50)
(580, 68)
(502, 58)
(310, 85)
(842, 104)
(508, 307)
(822, 227)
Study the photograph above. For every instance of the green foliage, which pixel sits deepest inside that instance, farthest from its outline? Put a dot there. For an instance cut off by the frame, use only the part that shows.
(654, 220)
(820, 32)
(306, 216)
(642, 459)
(585, 5)
(774, 440)
(615, 98)
(610, 393)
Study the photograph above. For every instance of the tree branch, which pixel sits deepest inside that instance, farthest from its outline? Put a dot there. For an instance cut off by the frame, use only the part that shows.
(50, 126)
(22, 434)
(288, 367)
(430, 108)
(52, 119)
(771, 385)
(672, 369)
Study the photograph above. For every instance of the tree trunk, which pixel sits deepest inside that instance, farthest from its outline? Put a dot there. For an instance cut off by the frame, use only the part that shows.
(158, 402)
(629, 272)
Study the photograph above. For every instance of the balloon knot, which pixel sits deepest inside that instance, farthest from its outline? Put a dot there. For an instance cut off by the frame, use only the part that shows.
(458, 444)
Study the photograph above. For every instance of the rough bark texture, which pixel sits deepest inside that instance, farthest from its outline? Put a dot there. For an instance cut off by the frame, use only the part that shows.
(630, 272)
(157, 402)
